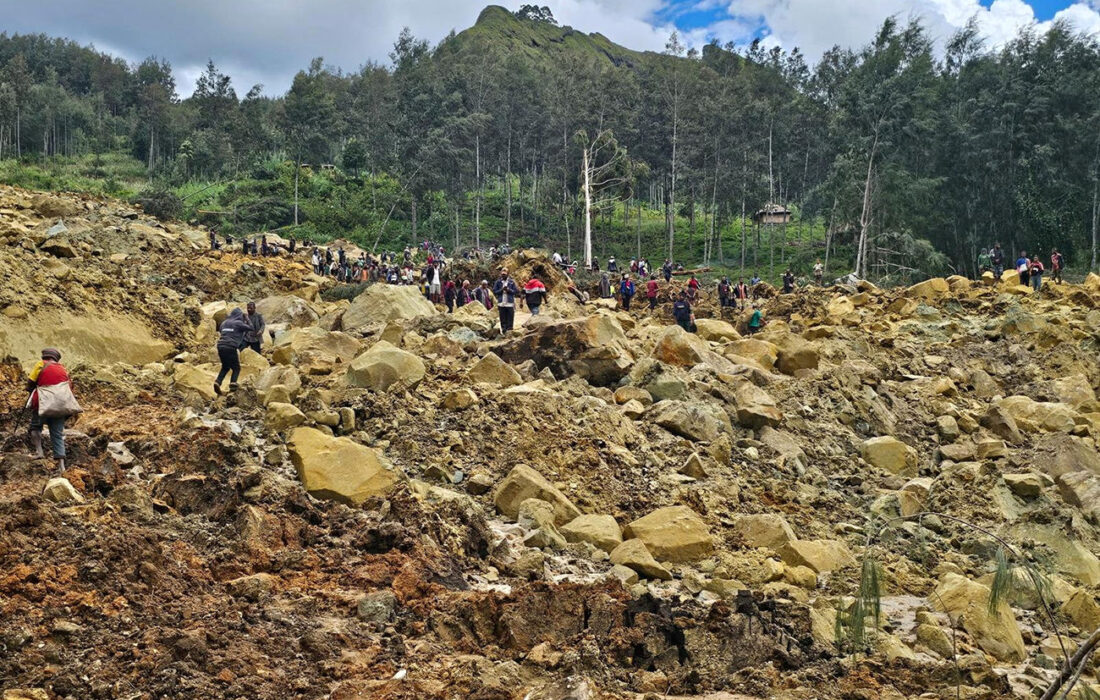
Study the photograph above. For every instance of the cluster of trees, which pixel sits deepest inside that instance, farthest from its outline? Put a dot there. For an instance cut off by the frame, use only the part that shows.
(910, 157)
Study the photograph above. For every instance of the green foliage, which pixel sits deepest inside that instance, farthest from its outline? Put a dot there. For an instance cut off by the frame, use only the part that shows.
(851, 625)
(159, 201)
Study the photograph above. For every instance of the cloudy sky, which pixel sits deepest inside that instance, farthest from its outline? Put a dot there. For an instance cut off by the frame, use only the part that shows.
(267, 41)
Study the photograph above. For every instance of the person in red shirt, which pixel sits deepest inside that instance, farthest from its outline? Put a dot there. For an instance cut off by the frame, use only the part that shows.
(651, 292)
(50, 374)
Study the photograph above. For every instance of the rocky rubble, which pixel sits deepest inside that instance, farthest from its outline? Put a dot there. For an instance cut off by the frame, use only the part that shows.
(401, 503)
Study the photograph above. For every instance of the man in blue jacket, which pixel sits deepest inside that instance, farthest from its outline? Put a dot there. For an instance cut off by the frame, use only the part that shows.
(626, 291)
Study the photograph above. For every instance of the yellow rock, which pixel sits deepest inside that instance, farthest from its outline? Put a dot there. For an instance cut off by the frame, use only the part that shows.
(338, 468)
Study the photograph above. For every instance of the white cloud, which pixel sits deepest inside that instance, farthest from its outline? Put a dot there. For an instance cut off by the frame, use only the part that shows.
(817, 25)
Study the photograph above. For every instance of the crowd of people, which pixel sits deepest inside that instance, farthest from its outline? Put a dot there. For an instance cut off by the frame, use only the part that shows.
(1030, 269)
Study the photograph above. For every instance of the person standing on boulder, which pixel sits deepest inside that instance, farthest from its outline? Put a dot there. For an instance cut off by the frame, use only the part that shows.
(997, 258)
(1023, 267)
(255, 334)
(666, 270)
(534, 293)
(484, 295)
(48, 373)
(626, 292)
(231, 334)
(1035, 270)
(724, 293)
(788, 281)
(506, 292)
(819, 272)
(756, 322)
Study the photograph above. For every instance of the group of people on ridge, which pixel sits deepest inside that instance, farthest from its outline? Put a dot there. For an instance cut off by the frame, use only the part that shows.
(1029, 269)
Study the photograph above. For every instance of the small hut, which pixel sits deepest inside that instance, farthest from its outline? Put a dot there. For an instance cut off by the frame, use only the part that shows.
(772, 214)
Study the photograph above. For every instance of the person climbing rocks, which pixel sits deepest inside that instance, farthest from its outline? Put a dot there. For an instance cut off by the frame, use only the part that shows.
(725, 293)
(463, 297)
(1023, 267)
(626, 292)
(231, 334)
(756, 321)
(254, 336)
(50, 407)
(741, 293)
(681, 311)
(997, 258)
(788, 281)
(506, 292)
(1057, 262)
(450, 295)
(534, 293)
(651, 291)
(1035, 271)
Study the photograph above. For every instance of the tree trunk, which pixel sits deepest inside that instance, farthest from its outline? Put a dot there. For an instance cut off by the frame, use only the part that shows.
(297, 169)
(672, 184)
(587, 211)
(639, 231)
(829, 235)
(865, 215)
(477, 201)
(412, 212)
(1095, 220)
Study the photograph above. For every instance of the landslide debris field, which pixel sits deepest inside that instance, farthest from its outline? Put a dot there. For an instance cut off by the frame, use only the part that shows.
(398, 503)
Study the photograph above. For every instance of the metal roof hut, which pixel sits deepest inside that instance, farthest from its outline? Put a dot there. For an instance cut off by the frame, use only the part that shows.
(772, 214)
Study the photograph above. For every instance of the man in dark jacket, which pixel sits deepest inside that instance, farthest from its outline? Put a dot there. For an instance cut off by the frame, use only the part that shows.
(534, 293)
(255, 333)
(230, 340)
(505, 291)
(681, 311)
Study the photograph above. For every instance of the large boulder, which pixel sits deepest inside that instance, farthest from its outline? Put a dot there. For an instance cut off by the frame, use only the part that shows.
(598, 530)
(194, 382)
(59, 490)
(716, 330)
(338, 468)
(795, 354)
(495, 371)
(819, 555)
(283, 416)
(768, 530)
(755, 407)
(292, 311)
(692, 420)
(381, 303)
(595, 348)
(315, 350)
(658, 380)
(761, 352)
(890, 454)
(929, 289)
(677, 347)
(522, 483)
(279, 375)
(634, 555)
(995, 632)
(675, 533)
(1035, 416)
(384, 366)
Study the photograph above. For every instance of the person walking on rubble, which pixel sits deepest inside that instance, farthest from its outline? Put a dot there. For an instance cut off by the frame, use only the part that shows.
(626, 291)
(651, 292)
(231, 335)
(51, 402)
(741, 293)
(1057, 262)
(534, 293)
(450, 294)
(681, 311)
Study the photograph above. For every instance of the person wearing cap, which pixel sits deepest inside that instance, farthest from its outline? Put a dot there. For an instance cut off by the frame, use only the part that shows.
(506, 292)
(47, 372)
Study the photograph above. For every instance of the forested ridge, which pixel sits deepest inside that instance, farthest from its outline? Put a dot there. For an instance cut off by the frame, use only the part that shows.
(898, 160)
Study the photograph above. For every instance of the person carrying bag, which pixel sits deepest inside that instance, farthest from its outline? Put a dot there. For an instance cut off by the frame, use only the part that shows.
(51, 402)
